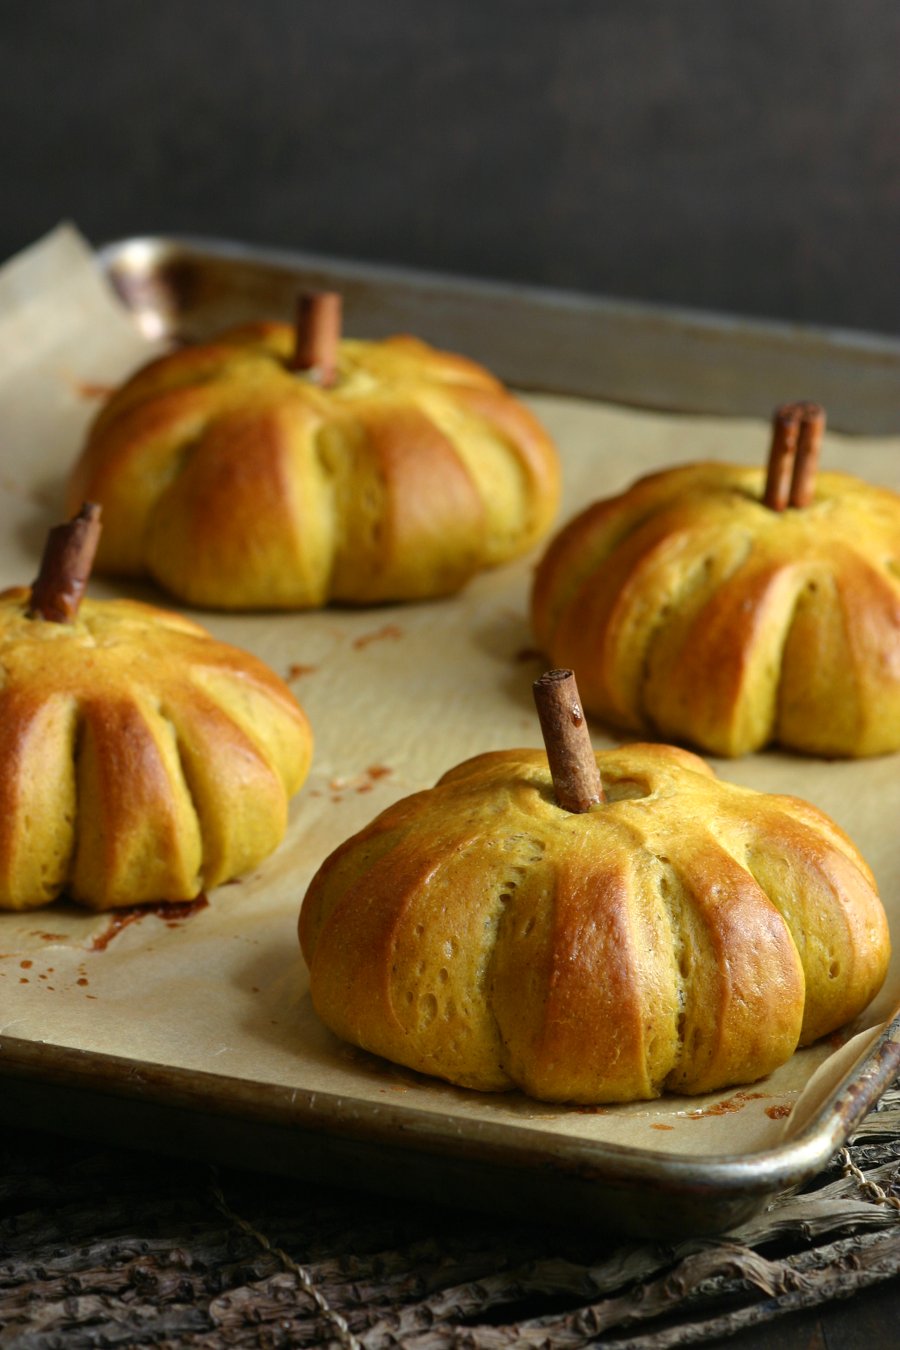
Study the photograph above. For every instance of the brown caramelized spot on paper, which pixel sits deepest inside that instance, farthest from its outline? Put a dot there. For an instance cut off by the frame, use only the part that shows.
(778, 1112)
(84, 980)
(119, 920)
(660, 1126)
(360, 782)
(390, 630)
(727, 1105)
(26, 965)
(373, 773)
(296, 670)
(172, 913)
(49, 937)
(92, 389)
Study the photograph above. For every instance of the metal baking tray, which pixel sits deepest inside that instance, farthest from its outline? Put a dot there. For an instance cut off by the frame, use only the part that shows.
(559, 344)
(555, 341)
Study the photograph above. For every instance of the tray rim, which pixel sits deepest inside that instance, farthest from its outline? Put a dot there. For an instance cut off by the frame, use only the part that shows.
(860, 369)
(761, 1172)
(110, 252)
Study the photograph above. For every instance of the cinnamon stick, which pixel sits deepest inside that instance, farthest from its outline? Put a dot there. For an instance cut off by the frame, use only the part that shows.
(573, 766)
(782, 452)
(317, 334)
(66, 565)
(794, 455)
(809, 445)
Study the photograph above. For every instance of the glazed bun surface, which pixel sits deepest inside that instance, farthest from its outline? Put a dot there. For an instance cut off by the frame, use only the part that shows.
(238, 483)
(143, 760)
(694, 613)
(686, 936)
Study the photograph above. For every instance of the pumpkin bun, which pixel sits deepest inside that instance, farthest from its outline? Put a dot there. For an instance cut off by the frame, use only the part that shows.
(141, 759)
(238, 476)
(683, 935)
(701, 606)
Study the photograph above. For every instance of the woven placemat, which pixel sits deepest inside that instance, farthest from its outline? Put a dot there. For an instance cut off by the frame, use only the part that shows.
(114, 1248)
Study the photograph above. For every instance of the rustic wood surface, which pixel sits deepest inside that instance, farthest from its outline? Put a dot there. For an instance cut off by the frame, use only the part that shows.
(114, 1248)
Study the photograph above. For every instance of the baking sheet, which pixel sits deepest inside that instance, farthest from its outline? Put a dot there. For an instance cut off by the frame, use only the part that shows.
(222, 991)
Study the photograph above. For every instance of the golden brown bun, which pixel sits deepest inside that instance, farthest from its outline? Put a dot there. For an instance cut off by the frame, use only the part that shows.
(142, 760)
(236, 483)
(693, 612)
(685, 936)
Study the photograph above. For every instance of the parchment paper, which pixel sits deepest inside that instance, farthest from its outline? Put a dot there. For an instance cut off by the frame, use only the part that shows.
(396, 696)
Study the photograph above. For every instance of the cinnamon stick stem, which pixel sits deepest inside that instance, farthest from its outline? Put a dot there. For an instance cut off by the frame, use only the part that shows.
(809, 445)
(65, 567)
(318, 333)
(783, 450)
(794, 455)
(573, 766)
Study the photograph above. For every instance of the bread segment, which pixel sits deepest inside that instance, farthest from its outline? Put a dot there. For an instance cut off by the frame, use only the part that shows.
(37, 796)
(138, 834)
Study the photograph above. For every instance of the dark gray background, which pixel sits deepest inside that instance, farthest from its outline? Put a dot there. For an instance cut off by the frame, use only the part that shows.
(729, 154)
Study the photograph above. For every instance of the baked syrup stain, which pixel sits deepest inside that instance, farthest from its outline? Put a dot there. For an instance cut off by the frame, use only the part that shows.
(390, 631)
(360, 782)
(172, 913)
(727, 1105)
(297, 670)
(363, 782)
(90, 389)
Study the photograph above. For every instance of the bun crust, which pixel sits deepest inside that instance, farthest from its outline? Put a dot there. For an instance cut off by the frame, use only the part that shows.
(687, 935)
(237, 483)
(693, 612)
(142, 760)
